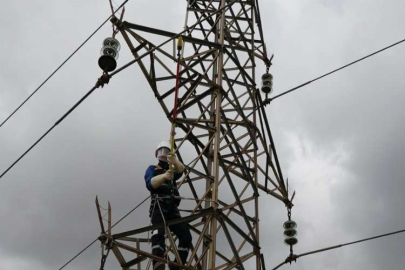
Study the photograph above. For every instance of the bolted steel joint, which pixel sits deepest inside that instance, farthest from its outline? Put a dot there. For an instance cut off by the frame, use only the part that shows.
(291, 258)
(104, 79)
(103, 238)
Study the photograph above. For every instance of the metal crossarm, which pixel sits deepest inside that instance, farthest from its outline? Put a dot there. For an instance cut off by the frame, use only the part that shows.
(223, 135)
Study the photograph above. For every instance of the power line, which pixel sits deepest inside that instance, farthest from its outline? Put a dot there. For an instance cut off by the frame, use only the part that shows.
(49, 130)
(78, 254)
(294, 257)
(95, 240)
(104, 79)
(333, 71)
(63, 63)
(304, 254)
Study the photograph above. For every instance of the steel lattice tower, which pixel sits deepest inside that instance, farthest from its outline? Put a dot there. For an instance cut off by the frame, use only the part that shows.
(223, 136)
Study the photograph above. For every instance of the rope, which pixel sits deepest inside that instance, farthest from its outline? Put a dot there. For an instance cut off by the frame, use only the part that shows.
(153, 211)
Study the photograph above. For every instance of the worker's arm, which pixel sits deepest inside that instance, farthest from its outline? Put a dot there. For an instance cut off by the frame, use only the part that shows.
(158, 180)
(152, 181)
(178, 166)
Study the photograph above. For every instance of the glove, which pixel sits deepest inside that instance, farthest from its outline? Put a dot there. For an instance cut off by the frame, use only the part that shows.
(158, 180)
(178, 166)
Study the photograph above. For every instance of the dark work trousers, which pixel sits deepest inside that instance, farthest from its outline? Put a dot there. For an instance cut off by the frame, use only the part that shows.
(181, 230)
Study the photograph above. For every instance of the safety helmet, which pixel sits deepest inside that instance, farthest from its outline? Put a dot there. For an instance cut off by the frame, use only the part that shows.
(162, 150)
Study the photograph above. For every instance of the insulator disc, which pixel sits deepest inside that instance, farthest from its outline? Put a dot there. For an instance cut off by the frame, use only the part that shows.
(290, 224)
(290, 241)
(111, 51)
(267, 83)
(290, 232)
(267, 76)
(112, 42)
(107, 63)
(267, 89)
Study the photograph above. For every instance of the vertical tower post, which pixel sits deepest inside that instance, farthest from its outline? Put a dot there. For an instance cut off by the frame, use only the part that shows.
(222, 131)
(217, 126)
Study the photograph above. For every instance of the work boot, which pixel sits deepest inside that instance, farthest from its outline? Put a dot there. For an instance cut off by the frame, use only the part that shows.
(159, 266)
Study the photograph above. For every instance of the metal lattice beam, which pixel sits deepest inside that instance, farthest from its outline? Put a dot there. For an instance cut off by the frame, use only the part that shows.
(223, 133)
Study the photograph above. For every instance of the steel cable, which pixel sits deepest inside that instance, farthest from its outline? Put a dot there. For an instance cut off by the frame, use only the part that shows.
(50, 129)
(61, 65)
(267, 101)
(83, 250)
(105, 78)
(333, 71)
(337, 246)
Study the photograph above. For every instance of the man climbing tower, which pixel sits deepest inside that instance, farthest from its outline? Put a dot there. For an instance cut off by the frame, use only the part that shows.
(161, 182)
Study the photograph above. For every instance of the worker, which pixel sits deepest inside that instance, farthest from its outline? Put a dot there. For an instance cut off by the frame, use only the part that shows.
(165, 199)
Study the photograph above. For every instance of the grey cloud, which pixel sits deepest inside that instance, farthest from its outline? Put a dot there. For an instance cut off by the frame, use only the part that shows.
(47, 200)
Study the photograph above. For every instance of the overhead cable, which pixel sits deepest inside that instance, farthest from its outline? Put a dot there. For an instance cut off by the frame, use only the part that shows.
(63, 63)
(333, 71)
(50, 129)
(104, 79)
(95, 240)
(294, 257)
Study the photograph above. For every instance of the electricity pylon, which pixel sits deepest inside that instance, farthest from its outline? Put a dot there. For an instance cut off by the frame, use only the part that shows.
(223, 135)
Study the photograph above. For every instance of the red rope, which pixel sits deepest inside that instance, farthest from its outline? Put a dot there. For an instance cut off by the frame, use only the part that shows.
(176, 90)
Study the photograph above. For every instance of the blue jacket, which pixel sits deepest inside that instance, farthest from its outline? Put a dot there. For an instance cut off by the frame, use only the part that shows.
(152, 171)
(166, 192)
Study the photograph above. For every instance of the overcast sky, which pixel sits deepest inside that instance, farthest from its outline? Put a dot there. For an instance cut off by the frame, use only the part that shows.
(341, 140)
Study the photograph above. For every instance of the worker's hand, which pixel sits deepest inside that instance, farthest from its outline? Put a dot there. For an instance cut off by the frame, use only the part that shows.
(169, 175)
(158, 180)
(178, 166)
(172, 159)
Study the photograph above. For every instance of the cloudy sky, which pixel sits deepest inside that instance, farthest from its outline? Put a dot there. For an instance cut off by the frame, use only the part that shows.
(341, 140)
